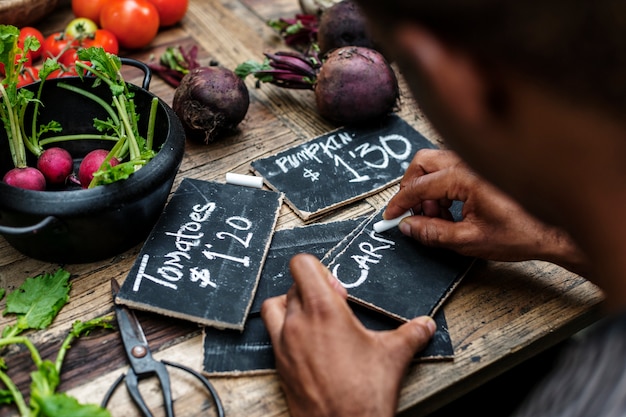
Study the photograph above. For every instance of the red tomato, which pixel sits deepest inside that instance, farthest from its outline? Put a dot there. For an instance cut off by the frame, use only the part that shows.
(27, 76)
(30, 31)
(170, 11)
(27, 63)
(107, 40)
(63, 72)
(57, 45)
(133, 22)
(88, 8)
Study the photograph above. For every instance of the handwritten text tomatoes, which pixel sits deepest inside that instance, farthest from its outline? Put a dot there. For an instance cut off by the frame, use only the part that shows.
(170, 11)
(133, 22)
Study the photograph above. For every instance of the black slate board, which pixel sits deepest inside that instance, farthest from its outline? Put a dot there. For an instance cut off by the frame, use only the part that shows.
(230, 352)
(341, 166)
(316, 239)
(233, 352)
(203, 259)
(394, 274)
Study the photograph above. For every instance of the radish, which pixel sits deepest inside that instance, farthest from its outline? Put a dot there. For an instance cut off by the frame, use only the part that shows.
(28, 178)
(211, 102)
(353, 84)
(91, 163)
(56, 165)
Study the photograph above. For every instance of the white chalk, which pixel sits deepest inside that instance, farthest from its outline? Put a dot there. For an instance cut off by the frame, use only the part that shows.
(245, 180)
(385, 225)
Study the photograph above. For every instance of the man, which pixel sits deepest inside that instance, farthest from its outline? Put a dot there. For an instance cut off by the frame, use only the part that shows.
(531, 95)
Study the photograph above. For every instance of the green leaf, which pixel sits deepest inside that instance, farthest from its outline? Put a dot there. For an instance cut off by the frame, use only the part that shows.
(63, 405)
(37, 301)
(2, 292)
(82, 328)
(6, 397)
(44, 380)
(250, 67)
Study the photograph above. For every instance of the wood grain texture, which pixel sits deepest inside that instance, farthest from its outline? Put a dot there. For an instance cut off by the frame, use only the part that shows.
(500, 315)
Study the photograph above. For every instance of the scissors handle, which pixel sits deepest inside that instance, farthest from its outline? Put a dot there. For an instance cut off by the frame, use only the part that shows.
(132, 384)
(137, 398)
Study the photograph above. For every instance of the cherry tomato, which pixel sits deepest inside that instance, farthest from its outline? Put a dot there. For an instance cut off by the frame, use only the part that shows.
(27, 31)
(133, 22)
(81, 28)
(27, 63)
(107, 40)
(27, 76)
(170, 11)
(88, 8)
(63, 72)
(69, 58)
(57, 44)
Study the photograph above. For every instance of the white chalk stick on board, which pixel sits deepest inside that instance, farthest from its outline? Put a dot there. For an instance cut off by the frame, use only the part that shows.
(245, 180)
(385, 225)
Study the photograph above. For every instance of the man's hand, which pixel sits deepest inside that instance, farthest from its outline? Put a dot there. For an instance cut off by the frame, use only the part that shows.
(493, 225)
(329, 363)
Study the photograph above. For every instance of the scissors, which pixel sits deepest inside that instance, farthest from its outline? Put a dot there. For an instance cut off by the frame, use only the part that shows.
(143, 365)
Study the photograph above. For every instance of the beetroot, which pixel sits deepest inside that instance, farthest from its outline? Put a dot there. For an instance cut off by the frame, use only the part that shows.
(56, 165)
(343, 24)
(91, 163)
(28, 178)
(355, 85)
(210, 102)
(352, 85)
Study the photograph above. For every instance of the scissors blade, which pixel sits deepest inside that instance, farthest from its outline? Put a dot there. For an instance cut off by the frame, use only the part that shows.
(130, 329)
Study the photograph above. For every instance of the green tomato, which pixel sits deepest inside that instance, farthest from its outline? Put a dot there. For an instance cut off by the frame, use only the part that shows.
(81, 28)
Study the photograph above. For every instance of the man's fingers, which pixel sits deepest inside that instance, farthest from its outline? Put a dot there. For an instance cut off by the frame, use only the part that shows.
(413, 336)
(312, 279)
(273, 315)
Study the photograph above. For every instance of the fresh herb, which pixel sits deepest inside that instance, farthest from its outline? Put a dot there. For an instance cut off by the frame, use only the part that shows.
(121, 126)
(36, 303)
(15, 101)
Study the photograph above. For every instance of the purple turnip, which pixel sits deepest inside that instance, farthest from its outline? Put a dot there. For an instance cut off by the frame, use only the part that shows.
(210, 102)
(28, 178)
(91, 163)
(343, 24)
(353, 85)
(56, 165)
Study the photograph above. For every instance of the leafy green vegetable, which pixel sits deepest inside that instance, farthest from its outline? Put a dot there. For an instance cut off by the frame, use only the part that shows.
(121, 126)
(37, 302)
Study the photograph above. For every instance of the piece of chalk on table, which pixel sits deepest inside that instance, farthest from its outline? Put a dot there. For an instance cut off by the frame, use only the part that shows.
(385, 225)
(245, 180)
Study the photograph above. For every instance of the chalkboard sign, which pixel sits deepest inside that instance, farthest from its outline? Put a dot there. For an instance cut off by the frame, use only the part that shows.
(394, 274)
(341, 166)
(230, 352)
(316, 239)
(250, 351)
(203, 259)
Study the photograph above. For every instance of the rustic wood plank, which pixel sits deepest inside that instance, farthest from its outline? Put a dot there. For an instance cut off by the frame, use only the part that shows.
(501, 313)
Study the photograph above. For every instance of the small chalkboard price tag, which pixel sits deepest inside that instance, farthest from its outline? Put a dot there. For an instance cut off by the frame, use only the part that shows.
(230, 352)
(203, 259)
(341, 166)
(394, 274)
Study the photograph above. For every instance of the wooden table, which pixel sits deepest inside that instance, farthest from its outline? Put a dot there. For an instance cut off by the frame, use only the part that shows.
(500, 315)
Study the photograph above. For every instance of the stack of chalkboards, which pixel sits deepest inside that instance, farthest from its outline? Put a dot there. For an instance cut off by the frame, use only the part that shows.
(214, 255)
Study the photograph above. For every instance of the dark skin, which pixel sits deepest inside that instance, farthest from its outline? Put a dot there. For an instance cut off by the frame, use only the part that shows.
(536, 150)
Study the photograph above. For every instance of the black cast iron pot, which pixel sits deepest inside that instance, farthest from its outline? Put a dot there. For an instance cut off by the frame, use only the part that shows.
(86, 225)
